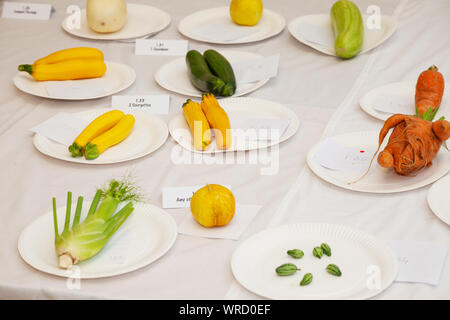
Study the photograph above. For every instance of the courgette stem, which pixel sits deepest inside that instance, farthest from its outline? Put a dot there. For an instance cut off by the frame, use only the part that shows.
(26, 67)
(91, 151)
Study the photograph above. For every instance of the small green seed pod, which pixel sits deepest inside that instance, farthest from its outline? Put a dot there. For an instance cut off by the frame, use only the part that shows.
(326, 249)
(286, 269)
(306, 279)
(318, 252)
(334, 270)
(295, 253)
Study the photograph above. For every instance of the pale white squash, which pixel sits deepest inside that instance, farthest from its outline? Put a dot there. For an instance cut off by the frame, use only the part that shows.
(106, 16)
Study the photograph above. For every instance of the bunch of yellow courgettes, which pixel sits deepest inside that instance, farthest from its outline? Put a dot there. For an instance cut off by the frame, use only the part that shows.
(68, 64)
(102, 133)
(205, 116)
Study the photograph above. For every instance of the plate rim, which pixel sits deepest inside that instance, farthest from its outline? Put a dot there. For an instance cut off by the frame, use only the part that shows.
(430, 196)
(360, 232)
(373, 112)
(164, 138)
(313, 167)
(257, 85)
(170, 222)
(166, 15)
(273, 34)
(294, 22)
(130, 82)
(296, 127)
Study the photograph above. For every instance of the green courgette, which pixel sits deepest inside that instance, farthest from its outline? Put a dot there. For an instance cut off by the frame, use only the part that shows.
(200, 74)
(348, 27)
(221, 68)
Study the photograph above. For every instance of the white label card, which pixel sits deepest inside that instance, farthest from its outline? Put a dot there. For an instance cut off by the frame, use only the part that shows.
(259, 129)
(234, 229)
(179, 197)
(75, 89)
(247, 71)
(159, 47)
(62, 128)
(335, 156)
(29, 11)
(419, 261)
(158, 104)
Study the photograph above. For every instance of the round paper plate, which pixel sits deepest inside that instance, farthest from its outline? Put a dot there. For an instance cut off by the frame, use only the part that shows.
(237, 109)
(215, 26)
(118, 77)
(400, 97)
(316, 31)
(439, 199)
(142, 21)
(173, 76)
(358, 255)
(148, 135)
(378, 180)
(147, 234)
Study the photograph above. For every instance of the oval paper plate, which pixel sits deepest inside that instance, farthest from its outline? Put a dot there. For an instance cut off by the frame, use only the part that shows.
(117, 77)
(439, 199)
(173, 76)
(238, 109)
(148, 135)
(142, 21)
(316, 31)
(378, 180)
(147, 234)
(357, 254)
(215, 26)
(398, 97)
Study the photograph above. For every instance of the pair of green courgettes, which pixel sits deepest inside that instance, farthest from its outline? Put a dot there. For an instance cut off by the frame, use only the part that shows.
(211, 72)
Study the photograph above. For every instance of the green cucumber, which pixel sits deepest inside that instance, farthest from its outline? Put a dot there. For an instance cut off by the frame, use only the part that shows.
(221, 68)
(200, 74)
(348, 27)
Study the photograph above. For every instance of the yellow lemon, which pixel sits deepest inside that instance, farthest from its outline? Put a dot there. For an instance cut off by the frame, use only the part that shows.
(213, 206)
(246, 12)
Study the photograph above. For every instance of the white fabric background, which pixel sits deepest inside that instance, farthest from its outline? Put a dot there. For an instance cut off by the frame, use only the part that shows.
(322, 90)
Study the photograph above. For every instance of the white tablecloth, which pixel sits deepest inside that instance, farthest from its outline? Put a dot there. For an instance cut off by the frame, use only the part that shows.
(322, 90)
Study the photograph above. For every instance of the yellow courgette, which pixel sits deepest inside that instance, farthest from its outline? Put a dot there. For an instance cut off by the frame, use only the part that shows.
(98, 126)
(113, 136)
(218, 120)
(66, 70)
(196, 119)
(71, 54)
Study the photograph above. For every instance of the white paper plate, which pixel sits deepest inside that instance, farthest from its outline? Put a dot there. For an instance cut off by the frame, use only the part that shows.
(378, 180)
(149, 133)
(403, 93)
(147, 234)
(322, 37)
(268, 26)
(439, 199)
(238, 108)
(357, 254)
(173, 76)
(142, 21)
(117, 77)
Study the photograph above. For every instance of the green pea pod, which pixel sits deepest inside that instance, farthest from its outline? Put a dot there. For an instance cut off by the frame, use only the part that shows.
(326, 249)
(306, 279)
(334, 270)
(318, 252)
(348, 27)
(286, 269)
(296, 253)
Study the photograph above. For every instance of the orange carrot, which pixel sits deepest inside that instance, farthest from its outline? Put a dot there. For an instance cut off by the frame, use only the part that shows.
(429, 91)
